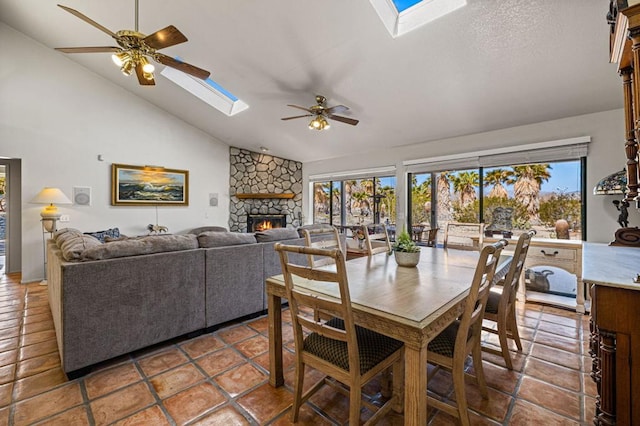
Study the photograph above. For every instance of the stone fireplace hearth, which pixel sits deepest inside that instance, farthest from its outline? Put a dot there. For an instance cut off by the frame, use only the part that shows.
(261, 184)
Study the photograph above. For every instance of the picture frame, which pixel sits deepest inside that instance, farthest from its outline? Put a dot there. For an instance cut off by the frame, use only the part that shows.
(148, 186)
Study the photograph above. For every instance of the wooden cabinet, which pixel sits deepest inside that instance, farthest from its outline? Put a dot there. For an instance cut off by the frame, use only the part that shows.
(615, 331)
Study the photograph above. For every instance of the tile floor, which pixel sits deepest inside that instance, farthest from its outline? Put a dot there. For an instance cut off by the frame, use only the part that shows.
(221, 378)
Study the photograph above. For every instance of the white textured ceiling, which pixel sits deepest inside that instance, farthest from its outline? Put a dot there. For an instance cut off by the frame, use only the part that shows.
(490, 65)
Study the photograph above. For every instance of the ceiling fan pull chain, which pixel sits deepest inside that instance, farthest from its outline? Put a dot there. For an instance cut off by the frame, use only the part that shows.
(136, 15)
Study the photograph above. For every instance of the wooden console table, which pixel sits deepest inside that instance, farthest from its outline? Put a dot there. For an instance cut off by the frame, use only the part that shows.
(563, 254)
(615, 331)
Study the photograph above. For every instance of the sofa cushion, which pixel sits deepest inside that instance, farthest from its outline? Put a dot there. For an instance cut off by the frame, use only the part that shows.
(276, 234)
(61, 235)
(138, 246)
(222, 239)
(73, 247)
(315, 226)
(200, 230)
(101, 235)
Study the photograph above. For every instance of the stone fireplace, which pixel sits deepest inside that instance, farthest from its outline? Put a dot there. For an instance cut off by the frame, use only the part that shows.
(263, 185)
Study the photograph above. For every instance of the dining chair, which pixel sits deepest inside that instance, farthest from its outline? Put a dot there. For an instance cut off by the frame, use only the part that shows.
(376, 239)
(463, 236)
(347, 354)
(501, 304)
(325, 238)
(432, 237)
(450, 348)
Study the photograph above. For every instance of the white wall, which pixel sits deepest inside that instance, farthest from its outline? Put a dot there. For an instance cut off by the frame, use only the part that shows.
(605, 156)
(58, 117)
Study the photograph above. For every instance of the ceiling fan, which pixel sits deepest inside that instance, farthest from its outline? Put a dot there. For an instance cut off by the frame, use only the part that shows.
(320, 112)
(135, 49)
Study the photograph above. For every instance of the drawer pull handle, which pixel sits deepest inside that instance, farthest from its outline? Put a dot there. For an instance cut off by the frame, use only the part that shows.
(549, 254)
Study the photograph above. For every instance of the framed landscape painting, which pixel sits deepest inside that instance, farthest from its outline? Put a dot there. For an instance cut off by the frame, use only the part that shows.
(148, 186)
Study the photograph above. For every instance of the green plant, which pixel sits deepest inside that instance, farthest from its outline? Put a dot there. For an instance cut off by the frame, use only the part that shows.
(404, 243)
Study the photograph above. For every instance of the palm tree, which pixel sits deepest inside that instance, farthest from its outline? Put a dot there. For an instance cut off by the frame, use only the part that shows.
(528, 180)
(321, 196)
(497, 178)
(465, 184)
(443, 186)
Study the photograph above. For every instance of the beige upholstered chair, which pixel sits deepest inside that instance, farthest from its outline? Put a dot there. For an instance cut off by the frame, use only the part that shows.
(451, 347)
(463, 236)
(501, 305)
(322, 238)
(347, 354)
(376, 238)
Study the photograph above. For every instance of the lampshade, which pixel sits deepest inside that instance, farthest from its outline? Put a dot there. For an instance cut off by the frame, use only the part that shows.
(615, 183)
(50, 215)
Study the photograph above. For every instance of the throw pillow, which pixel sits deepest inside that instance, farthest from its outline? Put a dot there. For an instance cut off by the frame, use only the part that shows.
(222, 239)
(276, 234)
(100, 235)
(73, 248)
(61, 235)
(138, 246)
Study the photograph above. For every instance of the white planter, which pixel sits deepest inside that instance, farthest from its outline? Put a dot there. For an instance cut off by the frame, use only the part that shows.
(407, 259)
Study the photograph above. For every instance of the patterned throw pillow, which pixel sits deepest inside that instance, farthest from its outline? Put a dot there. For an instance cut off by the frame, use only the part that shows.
(113, 233)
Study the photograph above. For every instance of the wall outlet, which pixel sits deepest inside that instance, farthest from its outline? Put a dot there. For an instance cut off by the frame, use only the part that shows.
(64, 218)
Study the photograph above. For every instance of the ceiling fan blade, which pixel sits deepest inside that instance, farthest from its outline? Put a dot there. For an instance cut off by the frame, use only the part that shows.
(302, 108)
(165, 37)
(141, 78)
(88, 20)
(297, 116)
(182, 66)
(95, 49)
(343, 119)
(337, 108)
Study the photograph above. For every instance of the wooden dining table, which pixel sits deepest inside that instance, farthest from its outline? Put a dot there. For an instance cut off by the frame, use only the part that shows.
(412, 305)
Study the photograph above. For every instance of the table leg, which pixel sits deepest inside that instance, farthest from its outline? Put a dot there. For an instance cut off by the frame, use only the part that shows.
(276, 377)
(415, 380)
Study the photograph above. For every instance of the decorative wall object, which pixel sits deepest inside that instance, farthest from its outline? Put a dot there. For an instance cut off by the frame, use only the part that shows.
(148, 185)
(82, 195)
(263, 184)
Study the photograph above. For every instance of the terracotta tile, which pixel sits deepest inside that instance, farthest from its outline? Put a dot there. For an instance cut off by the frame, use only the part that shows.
(588, 385)
(494, 340)
(193, 402)
(288, 360)
(556, 356)
(7, 373)
(240, 379)
(261, 325)
(4, 416)
(494, 407)
(235, 334)
(29, 319)
(587, 364)
(571, 320)
(226, 415)
(76, 416)
(517, 359)
(38, 310)
(444, 419)
(254, 346)
(526, 414)
(308, 417)
(8, 357)
(334, 404)
(34, 327)
(38, 349)
(10, 323)
(47, 404)
(8, 344)
(37, 365)
(175, 380)
(162, 361)
(106, 381)
(37, 337)
(7, 333)
(202, 345)
(589, 410)
(266, 402)
(554, 374)
(551, 397)
(559, 342)
(33, 385)
(499, 377)
(559, 329)
(219, 361)
(10, 315)
(5, 394)
(440, 383)
(121, 403)
(151, 416)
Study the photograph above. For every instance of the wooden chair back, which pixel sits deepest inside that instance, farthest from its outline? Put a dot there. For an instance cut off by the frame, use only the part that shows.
(376, 238)
(463, 236)
(512, 279)
(432, 237)
(323, 239)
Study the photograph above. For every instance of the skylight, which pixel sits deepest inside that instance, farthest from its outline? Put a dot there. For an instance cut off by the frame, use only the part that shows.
(207, 90)
(402, 16)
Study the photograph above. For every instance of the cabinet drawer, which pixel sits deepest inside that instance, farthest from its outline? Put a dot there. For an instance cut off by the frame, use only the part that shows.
(552, 253)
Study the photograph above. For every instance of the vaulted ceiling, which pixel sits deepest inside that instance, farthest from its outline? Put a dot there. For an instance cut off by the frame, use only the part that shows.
(492, 64)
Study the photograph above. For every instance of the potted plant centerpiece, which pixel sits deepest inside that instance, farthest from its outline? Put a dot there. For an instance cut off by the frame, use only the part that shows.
(406, 251)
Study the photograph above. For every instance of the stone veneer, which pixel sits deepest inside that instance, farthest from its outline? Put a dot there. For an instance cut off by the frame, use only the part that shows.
(257, 173)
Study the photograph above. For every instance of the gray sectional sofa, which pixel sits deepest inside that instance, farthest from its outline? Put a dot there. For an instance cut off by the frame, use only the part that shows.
(107, 301)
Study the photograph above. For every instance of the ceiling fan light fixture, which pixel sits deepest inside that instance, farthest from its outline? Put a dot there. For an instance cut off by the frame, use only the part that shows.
(319, 123)
(147, 67)
(120, 58)
(127, 68)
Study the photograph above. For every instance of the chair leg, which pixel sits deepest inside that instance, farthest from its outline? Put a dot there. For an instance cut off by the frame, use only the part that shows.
(513, 327)
(461, 395)
(297, 394)
(504, 345)
(478, 368)
(355, 404)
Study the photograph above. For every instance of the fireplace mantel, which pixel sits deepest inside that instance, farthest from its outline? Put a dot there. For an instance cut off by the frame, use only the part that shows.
(261, 195)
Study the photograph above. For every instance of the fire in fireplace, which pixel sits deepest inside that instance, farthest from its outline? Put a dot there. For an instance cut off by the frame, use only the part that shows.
(261, 222)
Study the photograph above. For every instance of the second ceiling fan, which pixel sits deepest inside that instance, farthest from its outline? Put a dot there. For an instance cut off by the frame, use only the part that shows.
(136, 48)
(320, 112)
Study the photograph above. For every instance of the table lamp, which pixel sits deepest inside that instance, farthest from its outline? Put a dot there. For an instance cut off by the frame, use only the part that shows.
(50, 214)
